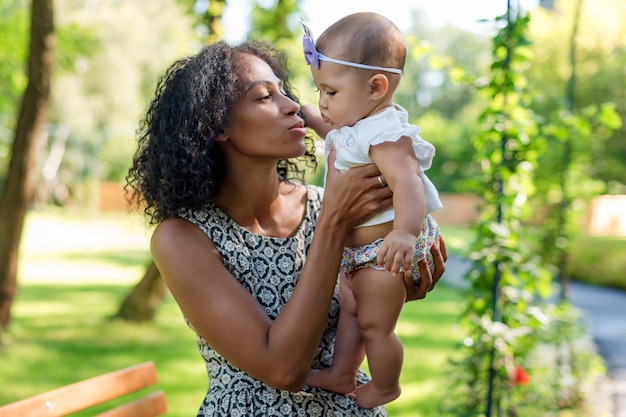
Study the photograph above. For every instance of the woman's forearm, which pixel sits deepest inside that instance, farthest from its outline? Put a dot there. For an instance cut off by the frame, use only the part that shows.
(296, 333)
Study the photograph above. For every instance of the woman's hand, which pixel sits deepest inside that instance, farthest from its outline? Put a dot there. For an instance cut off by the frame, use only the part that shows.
(427, 280)
(354, 196)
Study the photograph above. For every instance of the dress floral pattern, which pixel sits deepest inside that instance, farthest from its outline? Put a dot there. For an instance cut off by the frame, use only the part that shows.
(268, 268)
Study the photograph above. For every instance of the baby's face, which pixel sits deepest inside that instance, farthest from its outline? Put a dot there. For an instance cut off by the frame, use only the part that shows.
(344, 94)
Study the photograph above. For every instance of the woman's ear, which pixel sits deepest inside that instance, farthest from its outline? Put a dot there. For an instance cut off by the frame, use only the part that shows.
(379, 85)
(222, 136)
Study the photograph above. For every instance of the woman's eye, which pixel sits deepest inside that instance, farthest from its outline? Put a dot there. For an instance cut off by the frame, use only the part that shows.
(265, 95)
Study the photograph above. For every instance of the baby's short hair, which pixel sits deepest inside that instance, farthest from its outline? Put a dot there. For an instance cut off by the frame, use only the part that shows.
(364, 38)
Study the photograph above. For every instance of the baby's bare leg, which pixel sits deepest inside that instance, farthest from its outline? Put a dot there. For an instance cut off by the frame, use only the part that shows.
(379, 296)
(349, 350)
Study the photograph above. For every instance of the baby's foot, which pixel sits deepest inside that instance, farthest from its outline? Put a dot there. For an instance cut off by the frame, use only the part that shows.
(341, 383)
(370, 396)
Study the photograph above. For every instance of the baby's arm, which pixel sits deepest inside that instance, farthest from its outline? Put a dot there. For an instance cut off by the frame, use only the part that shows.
(314, 120)
(400, 168)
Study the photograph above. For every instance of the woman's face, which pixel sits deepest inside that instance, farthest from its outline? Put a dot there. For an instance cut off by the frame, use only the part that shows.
(264, 121)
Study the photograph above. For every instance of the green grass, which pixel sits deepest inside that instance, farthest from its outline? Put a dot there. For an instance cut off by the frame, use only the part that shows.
(429, 335)
(598, 261)
(75, 270)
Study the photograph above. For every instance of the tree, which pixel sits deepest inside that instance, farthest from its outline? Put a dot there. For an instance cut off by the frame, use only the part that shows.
(212, 19)
(600, 59)
(14, 22)
(20, 180)
(105, 75)
(578, 128)
(145, 297)
(208, 16)
(272, 23)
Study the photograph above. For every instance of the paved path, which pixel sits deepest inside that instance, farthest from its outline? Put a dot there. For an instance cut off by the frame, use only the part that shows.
(604, 312)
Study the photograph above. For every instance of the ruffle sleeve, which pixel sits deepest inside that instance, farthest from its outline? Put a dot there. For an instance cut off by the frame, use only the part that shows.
(424, 151)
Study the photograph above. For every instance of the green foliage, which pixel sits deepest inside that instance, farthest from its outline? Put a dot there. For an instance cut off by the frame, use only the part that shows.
(14, 26)
(560, 362)
(109, 59)
(446, 109)
(575, 133)
(597, 77)
(595, 260)
(507, 319)
(76, 44)
(564, 178)
(207, 18)
(453, 162)
(564, 364)
(275, 23)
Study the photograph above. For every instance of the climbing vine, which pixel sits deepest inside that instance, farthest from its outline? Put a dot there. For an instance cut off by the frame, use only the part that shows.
(517, 355)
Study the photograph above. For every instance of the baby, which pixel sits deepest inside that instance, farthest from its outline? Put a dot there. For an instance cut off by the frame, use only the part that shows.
(357, 64)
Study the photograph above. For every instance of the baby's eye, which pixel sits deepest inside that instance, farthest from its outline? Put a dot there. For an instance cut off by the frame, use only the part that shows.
(331, 93)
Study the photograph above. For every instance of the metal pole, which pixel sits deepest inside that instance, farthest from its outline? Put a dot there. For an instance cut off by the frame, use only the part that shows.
(497, 275)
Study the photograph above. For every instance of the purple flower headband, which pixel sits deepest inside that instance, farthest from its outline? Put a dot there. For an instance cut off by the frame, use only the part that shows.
(313, 57)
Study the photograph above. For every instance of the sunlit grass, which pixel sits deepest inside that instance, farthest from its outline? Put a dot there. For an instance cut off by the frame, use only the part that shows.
(429, 334)
(75, 270)
(67, 248)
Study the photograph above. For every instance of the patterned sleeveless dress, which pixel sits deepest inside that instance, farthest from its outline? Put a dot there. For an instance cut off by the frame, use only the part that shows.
(268, 268)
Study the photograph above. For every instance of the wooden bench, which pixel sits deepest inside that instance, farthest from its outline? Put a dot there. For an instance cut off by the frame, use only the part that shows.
(94, 391)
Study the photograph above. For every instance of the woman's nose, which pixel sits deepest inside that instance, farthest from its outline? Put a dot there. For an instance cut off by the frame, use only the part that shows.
(291, 107)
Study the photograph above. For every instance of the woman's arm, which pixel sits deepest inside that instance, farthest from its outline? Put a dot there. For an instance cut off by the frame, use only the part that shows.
(278, 352)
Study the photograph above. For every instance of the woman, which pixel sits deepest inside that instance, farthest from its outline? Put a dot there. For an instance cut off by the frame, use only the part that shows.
(234, 238)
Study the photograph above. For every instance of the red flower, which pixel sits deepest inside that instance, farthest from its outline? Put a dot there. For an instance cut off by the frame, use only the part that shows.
(519, 376)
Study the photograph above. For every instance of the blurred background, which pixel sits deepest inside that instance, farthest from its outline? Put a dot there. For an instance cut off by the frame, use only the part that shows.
(76, 234)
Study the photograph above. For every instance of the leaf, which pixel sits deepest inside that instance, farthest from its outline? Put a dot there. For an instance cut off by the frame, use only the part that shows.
(609, 117)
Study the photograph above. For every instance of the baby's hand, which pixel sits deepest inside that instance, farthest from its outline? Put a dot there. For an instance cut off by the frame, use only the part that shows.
(397, 251)
(314, 120)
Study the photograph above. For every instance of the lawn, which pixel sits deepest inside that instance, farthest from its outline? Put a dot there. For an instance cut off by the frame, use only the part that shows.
(596, 260)
(75, 270)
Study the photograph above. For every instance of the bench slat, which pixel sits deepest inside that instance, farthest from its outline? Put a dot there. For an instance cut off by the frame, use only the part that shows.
(151, 405)
(93, 391)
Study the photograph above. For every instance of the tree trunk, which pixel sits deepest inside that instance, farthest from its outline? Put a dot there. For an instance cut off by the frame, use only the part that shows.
(20, 181)
(144, 299)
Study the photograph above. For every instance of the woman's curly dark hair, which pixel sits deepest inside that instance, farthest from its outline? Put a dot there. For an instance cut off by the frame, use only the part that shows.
(178, 164)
